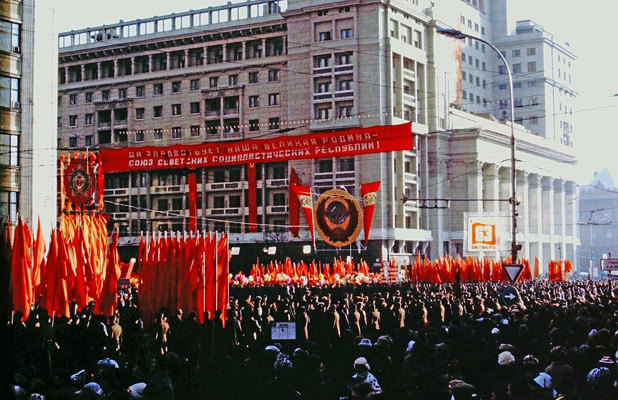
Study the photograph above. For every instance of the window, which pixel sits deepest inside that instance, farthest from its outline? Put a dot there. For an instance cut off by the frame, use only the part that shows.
(158, 134)
(531, 84)
(346, 33)
(279, 199)
(88, 119)
(72, 99)
(162, 204)
(157, 89)
(233, 80)
(139, 113)
(344, 111)
(484, 67)
(323, 112)
(177, 203)
(321, 61)
(344, 9)
(139, 136)
(73, 141)
(273, 123)
(516, 85)
(482, 30)
(234, 201)
(324, 36)
(88, 140)
(218, 202)
(502, 104)
(273, 75)
(322, 13)
(195, 84)
(346, 164)
(213, 82)
(254, 125)
(195, 107)
(516, 68)
(501, 69)
(176, 109)
(519, 103)
(463, 75)
(531, 51)
(140, 91)
(176, 132)
(464, 94)
(344, 59)
(516, 53)
(273, 99)
(122, 93)
(325, 165)
(533, 120)
(345, 84)
(176, 87)
(254, 101)
(72, 120)
(194, 130)
(253, 77)
(323, 87)
(532, 66)
(105, 95)
(157, 111)
(88, 97)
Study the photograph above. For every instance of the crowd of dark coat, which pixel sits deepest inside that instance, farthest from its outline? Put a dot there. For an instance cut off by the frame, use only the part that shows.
(407, 341)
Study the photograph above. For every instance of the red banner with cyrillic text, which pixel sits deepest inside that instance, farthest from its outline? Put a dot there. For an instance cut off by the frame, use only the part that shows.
(343, 143)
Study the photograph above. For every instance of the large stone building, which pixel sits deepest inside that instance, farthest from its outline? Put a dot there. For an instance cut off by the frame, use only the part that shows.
(268, 68)
(28, 56)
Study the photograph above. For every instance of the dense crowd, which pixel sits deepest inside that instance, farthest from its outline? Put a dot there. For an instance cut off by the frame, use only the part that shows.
(554, 340)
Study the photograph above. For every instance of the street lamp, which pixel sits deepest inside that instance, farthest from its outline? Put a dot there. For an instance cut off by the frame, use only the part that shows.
(454, 33)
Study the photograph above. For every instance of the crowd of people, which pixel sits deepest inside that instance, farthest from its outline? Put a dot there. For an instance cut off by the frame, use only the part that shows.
(544, 340)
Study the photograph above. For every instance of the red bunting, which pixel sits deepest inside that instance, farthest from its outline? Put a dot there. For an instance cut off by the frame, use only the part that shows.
(369, 192)
(304, 198)
(293, 204)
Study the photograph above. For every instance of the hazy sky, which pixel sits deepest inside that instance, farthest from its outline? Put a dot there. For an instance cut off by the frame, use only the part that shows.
(588, 27)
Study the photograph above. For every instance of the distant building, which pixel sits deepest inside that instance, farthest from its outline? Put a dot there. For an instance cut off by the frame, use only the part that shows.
(28, 157)
(267, 68)
(598, 218)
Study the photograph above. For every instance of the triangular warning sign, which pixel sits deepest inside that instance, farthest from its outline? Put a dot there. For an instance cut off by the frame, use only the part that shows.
(513, 271)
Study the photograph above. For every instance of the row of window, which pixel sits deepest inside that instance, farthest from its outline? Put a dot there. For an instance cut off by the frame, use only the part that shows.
(475, 62)
(406, 34)
(175, 87)
(122, 136)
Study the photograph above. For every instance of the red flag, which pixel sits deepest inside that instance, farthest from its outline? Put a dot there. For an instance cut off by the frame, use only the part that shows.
(210, 273)
(369, 191)
(536, 267)
(252, 197)
(108, 300)
(222, 276)
(38, 257)
(21, 280)
(192, 181)
(293, 204)
(306, 202)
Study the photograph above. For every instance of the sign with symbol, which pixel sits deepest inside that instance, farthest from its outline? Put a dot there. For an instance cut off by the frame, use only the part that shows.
(510, 295)
(338, 217)
(484, 233)
(283, 331)
(513, 271)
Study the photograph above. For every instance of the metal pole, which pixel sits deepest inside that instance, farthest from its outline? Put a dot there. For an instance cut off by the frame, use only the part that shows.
(513, 200)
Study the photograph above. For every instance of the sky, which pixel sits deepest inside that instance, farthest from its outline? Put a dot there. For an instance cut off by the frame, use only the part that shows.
(588, 28)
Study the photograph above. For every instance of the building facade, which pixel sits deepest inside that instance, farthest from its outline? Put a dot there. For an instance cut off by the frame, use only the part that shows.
(27, 113)
(598, 213)
(268, 68)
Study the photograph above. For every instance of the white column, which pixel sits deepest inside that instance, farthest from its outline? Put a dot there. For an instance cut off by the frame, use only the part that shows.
(475, 187)
(523, 220)
(492, 188)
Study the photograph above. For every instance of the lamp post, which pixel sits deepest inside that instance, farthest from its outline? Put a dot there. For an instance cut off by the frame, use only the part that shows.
(513, 200)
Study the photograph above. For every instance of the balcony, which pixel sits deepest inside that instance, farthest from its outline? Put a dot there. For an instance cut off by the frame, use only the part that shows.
(219, 186)
(276, 209)
(115, 192)
(166, 189)
(275, 183)
(223, 211)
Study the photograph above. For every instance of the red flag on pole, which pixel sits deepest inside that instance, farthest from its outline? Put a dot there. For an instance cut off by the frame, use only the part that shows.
(293, 203)
(38, 257)
(109, 295)
(536, 267)
(252, 197)
(306, 202)
(222, 276)
(369, 191)
(21, 281)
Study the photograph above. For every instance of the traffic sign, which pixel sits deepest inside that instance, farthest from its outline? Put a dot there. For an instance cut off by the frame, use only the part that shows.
(510, 295)
(609, 264)
(513, 271)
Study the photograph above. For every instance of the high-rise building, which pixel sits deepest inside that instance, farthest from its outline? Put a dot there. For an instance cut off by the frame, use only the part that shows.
(28, 56)
(268, 68)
